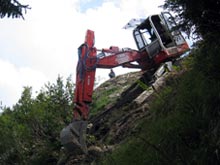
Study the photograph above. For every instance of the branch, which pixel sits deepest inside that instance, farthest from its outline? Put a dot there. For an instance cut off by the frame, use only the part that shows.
(12, 9)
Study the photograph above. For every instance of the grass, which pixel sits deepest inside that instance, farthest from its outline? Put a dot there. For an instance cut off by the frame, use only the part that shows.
(101, 99)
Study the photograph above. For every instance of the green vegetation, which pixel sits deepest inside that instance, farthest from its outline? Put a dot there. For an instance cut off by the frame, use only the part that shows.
(30, 130)
(200, 18)
(184, 127)
(102, 98)
(142, 85)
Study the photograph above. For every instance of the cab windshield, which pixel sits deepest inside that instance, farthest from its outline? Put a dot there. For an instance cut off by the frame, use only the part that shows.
(144, 35)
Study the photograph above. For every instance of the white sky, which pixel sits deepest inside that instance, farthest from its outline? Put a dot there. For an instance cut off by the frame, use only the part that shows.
(36, 50)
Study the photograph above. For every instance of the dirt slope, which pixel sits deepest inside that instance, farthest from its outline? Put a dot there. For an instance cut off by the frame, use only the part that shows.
(126, 105)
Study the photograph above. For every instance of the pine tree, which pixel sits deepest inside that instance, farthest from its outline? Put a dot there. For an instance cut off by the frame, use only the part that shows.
(12, 8)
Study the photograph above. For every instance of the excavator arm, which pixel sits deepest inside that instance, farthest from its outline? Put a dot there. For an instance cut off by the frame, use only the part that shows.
(73, 136)
(89, 60)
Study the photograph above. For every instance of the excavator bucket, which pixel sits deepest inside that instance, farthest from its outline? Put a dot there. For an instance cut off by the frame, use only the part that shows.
(73, 137)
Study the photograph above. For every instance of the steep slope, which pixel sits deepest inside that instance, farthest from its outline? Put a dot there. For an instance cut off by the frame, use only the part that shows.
(120, 104)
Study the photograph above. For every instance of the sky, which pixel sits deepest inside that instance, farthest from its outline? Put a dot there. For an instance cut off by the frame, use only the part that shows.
(34, 51)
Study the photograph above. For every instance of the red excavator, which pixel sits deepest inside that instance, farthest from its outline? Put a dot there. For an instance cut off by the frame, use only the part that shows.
(158, 41)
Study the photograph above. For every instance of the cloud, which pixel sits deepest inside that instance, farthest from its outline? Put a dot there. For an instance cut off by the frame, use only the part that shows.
(13, 79)
(45, 44)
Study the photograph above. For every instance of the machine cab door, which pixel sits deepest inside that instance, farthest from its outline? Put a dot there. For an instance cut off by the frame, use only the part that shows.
(146, 38)
(162, 32)
(152, 35)
(171, 26)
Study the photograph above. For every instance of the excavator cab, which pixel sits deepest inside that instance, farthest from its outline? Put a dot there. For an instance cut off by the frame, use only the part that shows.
(158, 33)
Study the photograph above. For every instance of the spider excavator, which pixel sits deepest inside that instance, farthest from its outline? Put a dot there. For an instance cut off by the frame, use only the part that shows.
(158, 41)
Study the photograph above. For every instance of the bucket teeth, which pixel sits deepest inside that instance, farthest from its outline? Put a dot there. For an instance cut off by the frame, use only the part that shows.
(73, 137)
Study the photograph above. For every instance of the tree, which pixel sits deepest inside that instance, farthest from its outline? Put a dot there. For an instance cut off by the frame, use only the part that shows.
(197, 17)
(30, 130)
(12, 8)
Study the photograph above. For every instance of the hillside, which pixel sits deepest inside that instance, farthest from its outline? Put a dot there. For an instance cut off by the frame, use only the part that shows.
(120, 105)
(174, 121)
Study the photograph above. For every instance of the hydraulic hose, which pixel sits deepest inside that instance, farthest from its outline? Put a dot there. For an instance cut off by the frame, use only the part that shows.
(82, 61)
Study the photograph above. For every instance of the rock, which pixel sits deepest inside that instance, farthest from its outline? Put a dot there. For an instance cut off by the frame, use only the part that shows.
(95, 149)
(143, 96)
